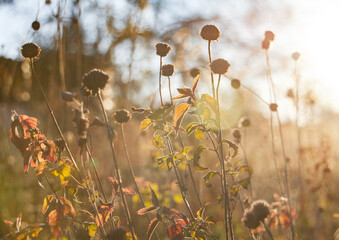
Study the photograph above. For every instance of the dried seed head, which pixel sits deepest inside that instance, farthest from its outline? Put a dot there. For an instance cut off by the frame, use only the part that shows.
(60, 144)
(295, 56)
(94, 80)
(244, 122)
(269, 35)
(167, 70)
(261, 209)
(36, 25)
(30, 50)
(219, 66)
(48, 2)
(194, 72)
(235, 83)
(162, 49)
(122, 116)
(117, 234)
(249, 219)
(236, 134)
(265, 44)
(210, 32)
(273, 107)
(290, 93)
(84, 91)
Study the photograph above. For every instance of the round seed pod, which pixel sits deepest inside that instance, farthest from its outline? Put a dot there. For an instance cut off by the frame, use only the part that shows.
(36, 25)
(122, 116)
(236, 134)
(244, 122)
(94, 80)
(269, 35)
(295, 56)
(249, 219)
(194, 72)
(167, 70)
(273, 107)
(162, 49)
(290, 93)
(265, 44)
(235, 83)
(261, 209)
(210, 32)
(30, 50)
(48, 2)
(219, 66)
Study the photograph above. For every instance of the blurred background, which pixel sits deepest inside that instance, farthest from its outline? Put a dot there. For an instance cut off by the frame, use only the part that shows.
(119, 37)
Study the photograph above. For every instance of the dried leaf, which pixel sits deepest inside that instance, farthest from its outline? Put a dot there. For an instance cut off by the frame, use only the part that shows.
(157, 141)
(128, 191)
(175, 232)
(210, 219)
(146, 210)
(45, 205)
(233, 146)
(145, 124)
(152, 226)
(154, 198)
(196, 158)
(195, 83)
(179, 113)
(199, 134)
(208, 176)
(244, 182)
(104, 211)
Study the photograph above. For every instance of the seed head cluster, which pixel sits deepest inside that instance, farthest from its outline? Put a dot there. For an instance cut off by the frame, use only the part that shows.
(93, 81)
(219, 66)
(122, 116)
(269, 37)
(162, 49)
(210, 32)
(258, 211)
(30, 50)
(167, 70)
(194, 72)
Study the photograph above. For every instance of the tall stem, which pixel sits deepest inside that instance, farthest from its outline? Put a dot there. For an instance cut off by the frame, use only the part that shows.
(210, 60)
(162, 104)
(132, 172)
(169, 88)
(116, 166)
(227, 216)
(268, 230)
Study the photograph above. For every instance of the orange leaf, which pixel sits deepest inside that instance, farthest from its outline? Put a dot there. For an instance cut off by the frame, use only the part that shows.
(146, 210)
(179, 113)
(196, 80)
(8, 223)
(128, 191)
(104, 211)
(180, 96)
(175, 232)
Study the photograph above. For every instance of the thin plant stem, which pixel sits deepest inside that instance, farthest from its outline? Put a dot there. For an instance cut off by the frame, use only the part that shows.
(210, 60)
(247, 163)
(268, 230)
(162, 104)
(116, 166)
(169, 88)
(228, 223)
(55, 121)
(50, 186)
(132, 172)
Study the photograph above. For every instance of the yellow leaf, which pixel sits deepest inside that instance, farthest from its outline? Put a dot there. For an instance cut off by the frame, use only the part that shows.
(199, 134)
(145, 124)
(157, 141)
(177, 199)
(47, 200)
(66, 171)
(91, 228)
(179, 113)
(35, 232)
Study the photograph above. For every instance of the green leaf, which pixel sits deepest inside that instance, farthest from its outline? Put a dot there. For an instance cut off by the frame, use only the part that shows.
(208, 176)
(199, 134)
(196, 158)
(157, 141)
(245, 182)
(145, 124)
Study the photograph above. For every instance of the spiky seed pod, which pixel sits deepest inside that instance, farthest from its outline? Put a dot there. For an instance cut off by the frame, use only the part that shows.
(210, 32)
(261, 209)
(117, 234)
(30, 50)
(167, 70)
(94, 80)
(269, 35)
(265, 44)
(273, 107)
(122, 116)
(295, 56)
(237, 135)
(219, 66)
(36, 25)
(194, 72)
(162, 49)
(249, 219)
(244, 122)
(235, 83)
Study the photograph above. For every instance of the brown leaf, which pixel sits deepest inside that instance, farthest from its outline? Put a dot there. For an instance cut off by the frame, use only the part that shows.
(175, 232)
(47, 200)
(179, 96)
(128, 191)
(196, 80)
(104, 211)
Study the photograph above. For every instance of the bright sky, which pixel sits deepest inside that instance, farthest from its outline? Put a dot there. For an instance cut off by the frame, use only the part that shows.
(314, 33)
